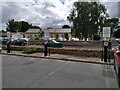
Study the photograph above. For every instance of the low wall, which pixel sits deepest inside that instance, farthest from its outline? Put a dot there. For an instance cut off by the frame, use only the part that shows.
(73, 52)
(70, 43)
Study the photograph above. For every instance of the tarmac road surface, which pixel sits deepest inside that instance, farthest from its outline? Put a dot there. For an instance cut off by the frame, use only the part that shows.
(26, 72)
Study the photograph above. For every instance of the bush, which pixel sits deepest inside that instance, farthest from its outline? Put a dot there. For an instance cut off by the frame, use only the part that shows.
(29, 50)
(36, 38)
(117, 34)
(56, 36)
(66, 36)
(32, 39)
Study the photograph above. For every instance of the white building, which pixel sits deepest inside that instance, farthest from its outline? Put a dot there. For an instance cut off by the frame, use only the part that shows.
(51, 33)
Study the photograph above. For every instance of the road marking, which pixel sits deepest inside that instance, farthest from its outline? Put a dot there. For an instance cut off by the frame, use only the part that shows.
(51, 73)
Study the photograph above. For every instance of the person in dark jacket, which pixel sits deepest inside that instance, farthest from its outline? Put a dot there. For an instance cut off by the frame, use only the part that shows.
(8, 46)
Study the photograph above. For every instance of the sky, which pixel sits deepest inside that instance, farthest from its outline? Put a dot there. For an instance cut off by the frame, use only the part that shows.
(44, 13)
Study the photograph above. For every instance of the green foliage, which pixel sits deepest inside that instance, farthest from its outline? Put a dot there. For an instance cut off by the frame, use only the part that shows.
(24, 26)
(56, 36)
(66, 36)
(37, 38)
(13, 26)
(32, 39)
(49, 28)
(86, 17)
(41, 35)
(3, 31)
(36, 27)
(20, 26)
(66, 26)
(113, 23)
(29, 50)
(117, 34)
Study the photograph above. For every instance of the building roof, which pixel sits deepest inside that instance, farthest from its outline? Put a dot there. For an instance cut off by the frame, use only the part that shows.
(32, 31)
(66, 30)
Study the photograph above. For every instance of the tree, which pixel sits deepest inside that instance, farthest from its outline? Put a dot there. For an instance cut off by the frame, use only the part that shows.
(49, 28)
(36, 27)
(41, 35)
(117, 33)
(57, 36)
(66, 26)
(66, 36)
(86, 17)
(19, 26)
(3, 31)
(13, 26)
(113, 23)
(24, 26)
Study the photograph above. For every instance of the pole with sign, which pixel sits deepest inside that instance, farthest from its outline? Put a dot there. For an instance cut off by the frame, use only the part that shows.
(46, 34)
(8, 35)
(46, 37)
(106, 35)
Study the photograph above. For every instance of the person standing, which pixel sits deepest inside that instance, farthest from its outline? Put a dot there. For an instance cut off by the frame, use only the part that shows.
(9, 46)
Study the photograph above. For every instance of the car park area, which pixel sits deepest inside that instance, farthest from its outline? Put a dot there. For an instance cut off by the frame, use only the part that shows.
(26, 72)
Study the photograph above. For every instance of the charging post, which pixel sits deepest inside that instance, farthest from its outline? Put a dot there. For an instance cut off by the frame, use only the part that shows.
(106, 44)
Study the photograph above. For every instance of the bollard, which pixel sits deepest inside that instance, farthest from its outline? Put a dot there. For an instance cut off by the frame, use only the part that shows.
(105, 53)
(45, 50)
(8, 46)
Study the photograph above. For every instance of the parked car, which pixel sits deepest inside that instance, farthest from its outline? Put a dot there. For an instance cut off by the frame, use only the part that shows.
(53, 43)
(20, 42)
(117, 63)
(27, 39)
(4, 41)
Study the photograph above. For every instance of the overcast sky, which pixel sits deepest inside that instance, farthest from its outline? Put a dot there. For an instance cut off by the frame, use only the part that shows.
(44, 13)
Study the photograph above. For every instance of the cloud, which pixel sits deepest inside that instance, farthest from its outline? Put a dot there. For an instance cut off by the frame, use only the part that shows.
(45, 13)
(37, 12)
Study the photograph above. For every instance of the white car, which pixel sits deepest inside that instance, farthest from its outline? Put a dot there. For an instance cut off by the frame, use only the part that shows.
(27, 39)
(118, 40)
(0, 50)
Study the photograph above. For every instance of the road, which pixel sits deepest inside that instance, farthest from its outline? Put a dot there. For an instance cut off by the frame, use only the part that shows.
(25, 72)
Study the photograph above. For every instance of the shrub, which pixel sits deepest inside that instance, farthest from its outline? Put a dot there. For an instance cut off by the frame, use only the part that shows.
(32, 39)
(56, 36)
(36, 38)
(66, 36)
(29, 50)
(117, 34)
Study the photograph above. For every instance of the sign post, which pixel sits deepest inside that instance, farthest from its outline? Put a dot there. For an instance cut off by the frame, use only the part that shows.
(106, 35)
(8, 35)
(46, 34)
(46, 37)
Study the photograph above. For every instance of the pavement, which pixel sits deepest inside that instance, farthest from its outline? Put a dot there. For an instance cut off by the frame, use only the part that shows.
(29, 72)
(58, 57)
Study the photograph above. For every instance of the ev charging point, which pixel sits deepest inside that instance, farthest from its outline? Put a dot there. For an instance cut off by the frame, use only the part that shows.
(106, 45)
